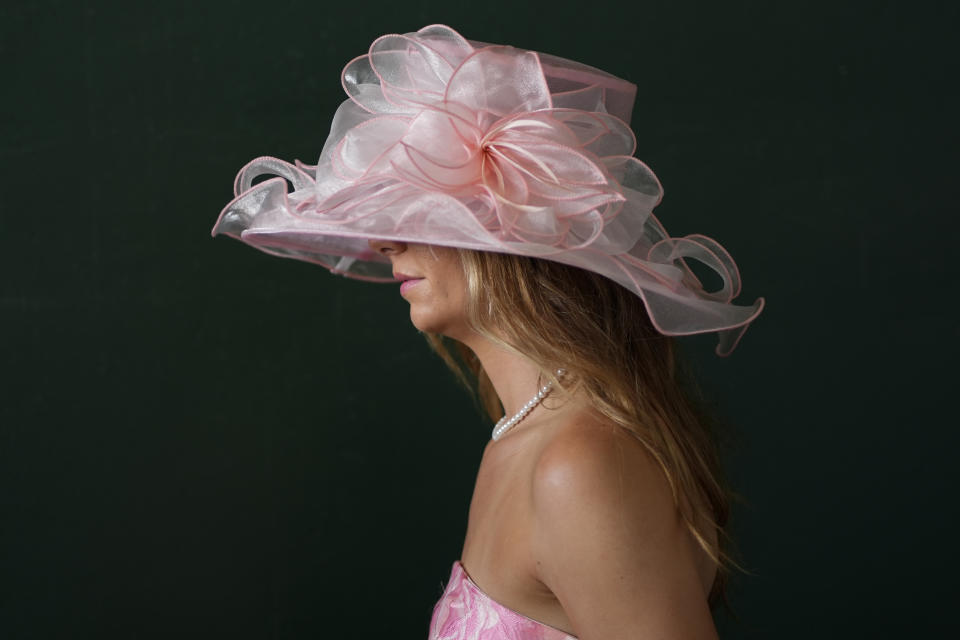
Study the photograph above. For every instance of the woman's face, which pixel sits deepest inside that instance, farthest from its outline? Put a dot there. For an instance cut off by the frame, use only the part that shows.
(433, 284)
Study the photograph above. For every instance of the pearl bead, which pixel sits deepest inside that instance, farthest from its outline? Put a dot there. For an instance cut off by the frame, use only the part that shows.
(504, 424)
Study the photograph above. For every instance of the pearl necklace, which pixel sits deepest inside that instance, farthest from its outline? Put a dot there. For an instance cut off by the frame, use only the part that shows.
(504, 424)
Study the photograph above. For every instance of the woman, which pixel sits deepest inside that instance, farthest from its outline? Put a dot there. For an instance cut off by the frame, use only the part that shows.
(498, 186)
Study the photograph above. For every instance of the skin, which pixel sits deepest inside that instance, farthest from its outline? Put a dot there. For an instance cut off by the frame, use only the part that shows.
(572, 523)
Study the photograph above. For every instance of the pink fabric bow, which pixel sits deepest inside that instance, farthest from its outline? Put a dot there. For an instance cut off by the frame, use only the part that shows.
(433, 114)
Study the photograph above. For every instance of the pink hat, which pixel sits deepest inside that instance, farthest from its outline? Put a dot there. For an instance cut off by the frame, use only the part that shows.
(449, 142)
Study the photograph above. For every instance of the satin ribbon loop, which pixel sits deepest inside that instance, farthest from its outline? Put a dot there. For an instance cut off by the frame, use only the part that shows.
(706, 251)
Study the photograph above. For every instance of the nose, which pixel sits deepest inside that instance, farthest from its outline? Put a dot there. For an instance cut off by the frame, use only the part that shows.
(387, 247)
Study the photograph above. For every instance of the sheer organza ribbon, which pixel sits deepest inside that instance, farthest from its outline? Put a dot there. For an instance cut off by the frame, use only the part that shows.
(445, 143)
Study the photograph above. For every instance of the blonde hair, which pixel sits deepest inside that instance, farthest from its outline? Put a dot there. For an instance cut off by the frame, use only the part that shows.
(562, 316)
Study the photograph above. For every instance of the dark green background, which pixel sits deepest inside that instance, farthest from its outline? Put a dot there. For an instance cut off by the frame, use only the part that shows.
(202, 441)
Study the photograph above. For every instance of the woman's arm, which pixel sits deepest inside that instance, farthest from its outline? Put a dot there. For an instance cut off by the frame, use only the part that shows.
(609, 543)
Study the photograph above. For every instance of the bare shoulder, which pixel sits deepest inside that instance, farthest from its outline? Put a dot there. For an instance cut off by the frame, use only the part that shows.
(608, 541)
(596, 463)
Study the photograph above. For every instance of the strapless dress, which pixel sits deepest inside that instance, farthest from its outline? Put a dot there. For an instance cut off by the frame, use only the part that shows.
(464, 612)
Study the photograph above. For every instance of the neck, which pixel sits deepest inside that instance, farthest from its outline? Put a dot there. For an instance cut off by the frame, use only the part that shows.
(514, 377)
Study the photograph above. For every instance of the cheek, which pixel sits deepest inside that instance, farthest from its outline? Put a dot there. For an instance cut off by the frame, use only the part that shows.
(458, 298)
(442, 307)
(447, 274)
(455, 290)
(446, 300)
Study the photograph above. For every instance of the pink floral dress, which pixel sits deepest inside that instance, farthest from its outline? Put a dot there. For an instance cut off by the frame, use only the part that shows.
(464, 612)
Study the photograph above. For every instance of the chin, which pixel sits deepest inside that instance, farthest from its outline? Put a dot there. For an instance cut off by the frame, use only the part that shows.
(427, 322)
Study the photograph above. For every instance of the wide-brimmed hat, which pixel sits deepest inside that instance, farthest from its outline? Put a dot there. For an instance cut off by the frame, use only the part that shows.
(456, 143)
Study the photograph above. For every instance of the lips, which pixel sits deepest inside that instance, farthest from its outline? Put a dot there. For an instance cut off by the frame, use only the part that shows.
(407, 284)
(403, 276)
